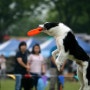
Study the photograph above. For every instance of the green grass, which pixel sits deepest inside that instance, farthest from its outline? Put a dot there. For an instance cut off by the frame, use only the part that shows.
(9, 85)
(71, 86)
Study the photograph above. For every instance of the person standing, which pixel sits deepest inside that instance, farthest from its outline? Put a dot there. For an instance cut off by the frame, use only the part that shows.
(3, 66)
(21, 64)
(53, 72)
(36, 63)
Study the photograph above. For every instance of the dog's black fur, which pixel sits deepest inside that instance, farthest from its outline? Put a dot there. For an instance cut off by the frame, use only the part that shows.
(50, 25)
(71, 45)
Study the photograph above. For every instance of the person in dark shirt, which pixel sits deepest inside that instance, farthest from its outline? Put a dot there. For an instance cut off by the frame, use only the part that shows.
(21, 66)
(54, 72)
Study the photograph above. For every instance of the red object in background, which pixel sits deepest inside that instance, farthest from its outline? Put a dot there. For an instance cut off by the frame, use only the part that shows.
(61, 88)
(6, 37)
(27, 76)
(34, 31)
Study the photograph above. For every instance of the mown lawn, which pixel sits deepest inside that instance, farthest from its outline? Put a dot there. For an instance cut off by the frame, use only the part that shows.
(9, 85)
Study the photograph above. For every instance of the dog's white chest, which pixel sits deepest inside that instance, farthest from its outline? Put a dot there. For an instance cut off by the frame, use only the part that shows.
(59, 43)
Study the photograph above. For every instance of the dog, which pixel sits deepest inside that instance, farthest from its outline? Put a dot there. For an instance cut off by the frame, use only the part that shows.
(68, 48)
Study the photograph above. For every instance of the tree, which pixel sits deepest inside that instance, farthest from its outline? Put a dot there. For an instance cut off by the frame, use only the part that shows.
(14, 14)
(74, 13)
(12, 11)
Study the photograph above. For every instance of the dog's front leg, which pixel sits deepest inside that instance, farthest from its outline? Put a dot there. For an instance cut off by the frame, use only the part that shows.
(54, 53)
(61, 59)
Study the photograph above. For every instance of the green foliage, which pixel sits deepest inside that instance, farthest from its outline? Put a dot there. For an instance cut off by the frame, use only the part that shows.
(74, 13)
(18, 16)
(23, 26)
(13, 11)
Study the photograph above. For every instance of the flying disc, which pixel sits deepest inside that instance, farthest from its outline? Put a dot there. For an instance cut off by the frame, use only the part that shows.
(34, 31)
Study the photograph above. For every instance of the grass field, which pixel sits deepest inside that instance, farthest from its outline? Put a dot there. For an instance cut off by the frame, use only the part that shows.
(9, 85)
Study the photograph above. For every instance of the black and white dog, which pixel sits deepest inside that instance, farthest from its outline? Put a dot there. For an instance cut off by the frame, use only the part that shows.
(68, 48)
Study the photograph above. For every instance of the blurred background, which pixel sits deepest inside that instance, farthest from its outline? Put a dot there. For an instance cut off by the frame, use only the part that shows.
(19, 16)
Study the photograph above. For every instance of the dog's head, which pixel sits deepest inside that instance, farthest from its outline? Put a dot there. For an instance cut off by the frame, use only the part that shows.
(49, 28)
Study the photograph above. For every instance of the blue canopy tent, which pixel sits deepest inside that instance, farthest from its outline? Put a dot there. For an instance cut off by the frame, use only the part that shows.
(47, 46)
(84, 45)
(9, 48)
(30, 42)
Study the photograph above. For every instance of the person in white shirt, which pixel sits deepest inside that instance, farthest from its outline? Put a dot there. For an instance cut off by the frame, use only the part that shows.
(36, 63)
(3, 65)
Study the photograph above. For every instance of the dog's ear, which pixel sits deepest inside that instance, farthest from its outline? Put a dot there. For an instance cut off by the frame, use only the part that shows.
(50, 25)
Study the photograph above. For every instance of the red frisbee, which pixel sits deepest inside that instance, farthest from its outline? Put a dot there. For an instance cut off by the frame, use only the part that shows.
(34, 31)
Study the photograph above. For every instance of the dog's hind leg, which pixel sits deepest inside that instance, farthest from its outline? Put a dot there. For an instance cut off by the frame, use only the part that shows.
(88, 75)
(85, 65)
(80, 75)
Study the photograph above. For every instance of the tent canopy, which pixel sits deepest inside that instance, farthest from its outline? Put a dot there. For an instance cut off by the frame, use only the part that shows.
(10, 45)
(9, 48)
(32, 41)
(49, 45)
(84, 45)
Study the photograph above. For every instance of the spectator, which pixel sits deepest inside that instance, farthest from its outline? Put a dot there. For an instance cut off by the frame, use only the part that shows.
(36, 63)
(21, 64)
(61, 80)
(68, 66)
(3, 65)
(53, 73)
(0, 66)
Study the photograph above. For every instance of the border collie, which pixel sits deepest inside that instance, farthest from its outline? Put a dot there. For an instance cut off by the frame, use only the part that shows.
(68, 48)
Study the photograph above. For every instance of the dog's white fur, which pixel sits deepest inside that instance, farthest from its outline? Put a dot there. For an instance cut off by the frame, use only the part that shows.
(59, 33)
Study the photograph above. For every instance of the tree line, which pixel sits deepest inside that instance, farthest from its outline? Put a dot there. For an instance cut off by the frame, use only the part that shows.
(18, 16)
